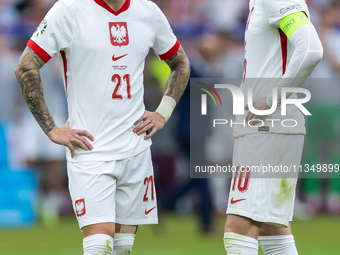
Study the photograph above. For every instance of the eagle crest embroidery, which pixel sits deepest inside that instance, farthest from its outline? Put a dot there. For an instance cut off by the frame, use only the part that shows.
(119, 33)
(80, 207)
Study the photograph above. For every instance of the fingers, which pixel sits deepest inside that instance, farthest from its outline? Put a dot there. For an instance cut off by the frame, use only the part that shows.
(246, 107)
(70, 146)
(80, 142)
(85, 144)
(143, 127)
(145, 115)
(150, 120)
(85, 133)
(250, 117)
(153, 131)
(146, 128)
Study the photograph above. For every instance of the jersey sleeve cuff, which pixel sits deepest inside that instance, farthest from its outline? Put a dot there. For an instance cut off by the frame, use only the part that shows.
(170, 52)
(40, 51)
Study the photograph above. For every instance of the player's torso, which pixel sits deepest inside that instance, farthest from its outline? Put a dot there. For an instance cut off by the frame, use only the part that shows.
(109, 49)
(105, 63)
(267, 49)
(267, 54)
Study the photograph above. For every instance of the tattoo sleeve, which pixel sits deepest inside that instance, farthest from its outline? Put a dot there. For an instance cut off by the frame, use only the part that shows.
(27, 73)
(180, 74)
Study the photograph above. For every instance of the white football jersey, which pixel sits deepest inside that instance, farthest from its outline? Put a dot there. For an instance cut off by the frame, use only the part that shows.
(102, 54)
(267, 54)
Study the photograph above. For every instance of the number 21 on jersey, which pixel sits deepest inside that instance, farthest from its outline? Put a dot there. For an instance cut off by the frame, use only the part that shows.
(117, 79)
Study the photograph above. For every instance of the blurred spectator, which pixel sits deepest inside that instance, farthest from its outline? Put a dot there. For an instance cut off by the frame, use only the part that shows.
(8, 82)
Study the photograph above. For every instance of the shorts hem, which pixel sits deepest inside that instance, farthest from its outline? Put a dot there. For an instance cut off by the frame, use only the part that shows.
(271, 221)
(93, 221)
(136, 222)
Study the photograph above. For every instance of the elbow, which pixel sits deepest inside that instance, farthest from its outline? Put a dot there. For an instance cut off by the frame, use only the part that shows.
(18, 72)
(318, 53)
(316, 57)
(320, 56)
(188, 68)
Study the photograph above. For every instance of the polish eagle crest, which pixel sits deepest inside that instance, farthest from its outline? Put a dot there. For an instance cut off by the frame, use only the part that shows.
(118, 33)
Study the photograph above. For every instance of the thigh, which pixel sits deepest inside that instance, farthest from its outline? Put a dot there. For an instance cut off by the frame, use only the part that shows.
(136, 195)
(270, 230)
(92, 188)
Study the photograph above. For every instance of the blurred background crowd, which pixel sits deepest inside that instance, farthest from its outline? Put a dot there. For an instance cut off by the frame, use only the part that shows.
(212, 33)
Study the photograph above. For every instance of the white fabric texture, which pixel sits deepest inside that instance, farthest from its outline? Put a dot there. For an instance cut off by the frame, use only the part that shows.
(123, 244)
(308, 52)
(271, 60)
(98, 244)
(102, 57)
(278, 245)
(264, 199)
(116, 191)
(236, 244)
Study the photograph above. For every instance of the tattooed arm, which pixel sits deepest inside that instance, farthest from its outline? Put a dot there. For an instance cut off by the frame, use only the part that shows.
(175, 86)
(28, 76)
(180, 74)
(27, 73)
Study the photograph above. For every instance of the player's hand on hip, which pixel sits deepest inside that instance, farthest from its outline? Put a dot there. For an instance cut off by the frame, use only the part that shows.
(260, 104)
(149, 120)
(71, 138)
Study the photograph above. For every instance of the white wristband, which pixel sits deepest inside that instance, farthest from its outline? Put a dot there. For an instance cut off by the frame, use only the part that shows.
(166, 107)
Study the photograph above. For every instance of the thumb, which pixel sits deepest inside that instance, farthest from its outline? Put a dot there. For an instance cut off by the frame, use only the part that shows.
(246, 107)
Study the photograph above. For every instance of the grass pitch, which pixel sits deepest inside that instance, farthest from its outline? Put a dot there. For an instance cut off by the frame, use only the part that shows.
(176, 234)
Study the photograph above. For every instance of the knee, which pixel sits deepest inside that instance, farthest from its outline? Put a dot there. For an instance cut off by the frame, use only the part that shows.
(242, 225)
(101, 228)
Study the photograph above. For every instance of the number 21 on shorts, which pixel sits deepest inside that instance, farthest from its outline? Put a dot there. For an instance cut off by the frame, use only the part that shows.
(148, 181)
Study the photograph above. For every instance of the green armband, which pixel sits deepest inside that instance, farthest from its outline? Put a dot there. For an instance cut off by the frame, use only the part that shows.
(292, 22)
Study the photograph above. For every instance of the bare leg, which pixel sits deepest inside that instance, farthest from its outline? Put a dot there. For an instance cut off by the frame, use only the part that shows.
(240, 235)
(242, 225)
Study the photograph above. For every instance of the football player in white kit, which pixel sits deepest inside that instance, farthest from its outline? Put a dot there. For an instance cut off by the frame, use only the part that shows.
(102, 45)
(282, 50)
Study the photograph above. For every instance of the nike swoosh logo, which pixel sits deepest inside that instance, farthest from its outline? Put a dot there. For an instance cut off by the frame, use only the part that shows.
(115, 59)
(147, 212)
(232, 201)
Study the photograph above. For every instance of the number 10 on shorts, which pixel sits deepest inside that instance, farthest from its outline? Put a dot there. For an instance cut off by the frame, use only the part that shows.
(243, 181)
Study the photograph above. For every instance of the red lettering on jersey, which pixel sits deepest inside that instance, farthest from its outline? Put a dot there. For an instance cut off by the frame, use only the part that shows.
(119, 33)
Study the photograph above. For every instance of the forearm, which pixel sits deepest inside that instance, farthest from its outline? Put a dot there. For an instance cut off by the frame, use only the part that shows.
(27, 73)
(176, 84)
(179, 76)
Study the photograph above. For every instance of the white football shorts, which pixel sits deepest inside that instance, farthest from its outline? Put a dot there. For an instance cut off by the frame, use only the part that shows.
(267, 200)
(121, 191)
